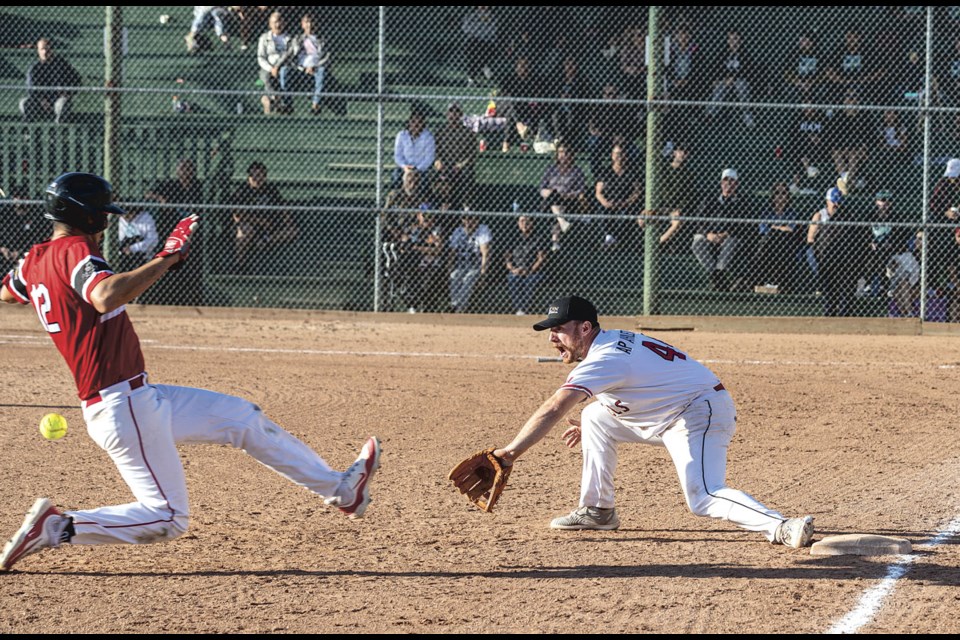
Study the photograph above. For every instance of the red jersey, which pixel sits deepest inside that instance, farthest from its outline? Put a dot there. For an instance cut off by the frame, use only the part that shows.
(57, 277)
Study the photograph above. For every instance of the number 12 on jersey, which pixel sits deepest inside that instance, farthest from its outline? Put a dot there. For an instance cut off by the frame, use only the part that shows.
(41, 301)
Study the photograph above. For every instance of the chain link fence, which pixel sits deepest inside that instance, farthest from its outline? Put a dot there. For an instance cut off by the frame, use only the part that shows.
(760, 161)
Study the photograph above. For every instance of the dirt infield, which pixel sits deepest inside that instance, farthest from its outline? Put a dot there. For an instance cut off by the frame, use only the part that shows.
(859, 431)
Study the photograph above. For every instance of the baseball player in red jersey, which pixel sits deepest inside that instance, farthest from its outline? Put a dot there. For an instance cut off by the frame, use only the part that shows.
(647, 391)
(80, 302)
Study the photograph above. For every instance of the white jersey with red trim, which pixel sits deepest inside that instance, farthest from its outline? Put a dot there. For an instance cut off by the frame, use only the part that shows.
(57, 277)
(643, 382)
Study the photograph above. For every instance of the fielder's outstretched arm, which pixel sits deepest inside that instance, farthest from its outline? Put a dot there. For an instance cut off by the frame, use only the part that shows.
(541, 422)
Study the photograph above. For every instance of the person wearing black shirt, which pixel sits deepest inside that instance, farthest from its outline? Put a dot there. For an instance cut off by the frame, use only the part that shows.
(715, 242)
(258, 228)
(525, 261)
(44, 101)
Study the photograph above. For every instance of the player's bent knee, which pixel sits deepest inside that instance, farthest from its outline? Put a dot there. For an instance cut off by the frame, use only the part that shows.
(162, 531)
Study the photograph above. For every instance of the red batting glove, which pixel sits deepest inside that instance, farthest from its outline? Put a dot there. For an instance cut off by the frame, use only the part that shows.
(179, 240)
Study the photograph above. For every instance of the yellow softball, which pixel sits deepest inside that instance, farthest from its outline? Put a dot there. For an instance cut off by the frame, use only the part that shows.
(53, 426)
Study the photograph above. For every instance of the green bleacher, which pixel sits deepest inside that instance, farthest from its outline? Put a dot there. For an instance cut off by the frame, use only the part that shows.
(330, 160)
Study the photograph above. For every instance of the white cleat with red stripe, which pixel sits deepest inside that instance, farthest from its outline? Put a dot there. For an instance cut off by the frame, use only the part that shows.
(353, 494)
(42, 528)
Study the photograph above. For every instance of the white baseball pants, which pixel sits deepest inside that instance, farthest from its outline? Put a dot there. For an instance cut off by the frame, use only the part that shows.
(697, 442)
(140, 430)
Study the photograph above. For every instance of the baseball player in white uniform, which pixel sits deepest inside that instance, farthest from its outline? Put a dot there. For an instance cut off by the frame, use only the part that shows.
(650, 392)
(81, 303)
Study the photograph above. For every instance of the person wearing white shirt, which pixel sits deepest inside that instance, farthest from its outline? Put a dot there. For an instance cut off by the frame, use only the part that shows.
(308, 71)
(274, 51)
(650, 392)
(415, 149)
(137, 232)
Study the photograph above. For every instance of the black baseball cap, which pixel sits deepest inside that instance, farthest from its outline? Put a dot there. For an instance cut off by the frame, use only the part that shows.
(566, 309)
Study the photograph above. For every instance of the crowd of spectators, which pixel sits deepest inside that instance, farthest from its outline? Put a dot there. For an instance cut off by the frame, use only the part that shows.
(544, 71)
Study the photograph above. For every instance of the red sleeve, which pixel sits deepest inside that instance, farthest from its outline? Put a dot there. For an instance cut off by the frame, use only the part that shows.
(88, 270)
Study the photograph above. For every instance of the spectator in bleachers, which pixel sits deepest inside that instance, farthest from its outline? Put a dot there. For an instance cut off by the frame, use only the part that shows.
(893, 146)
(910, 20)
(479, 28)
(274, 51)
(908, 84)
(948, 70)
(21, 227)
(258, 231)
(675, 196)
(903, 273)
(945, 142)
(804, 71)
(568, 118)
(944, 244)
(716, 241)
(838, 253)
(251, 21)
(558, 44)
(633, 64)
(51, 70)
(808, 149)
(422, 263)
(563, 188)
(683, 73)
(522, 116)
(138, 238)
(525, 260)
(853, 67)
(205, 18)
(414, 149)
(779, 245)
(469, 259)
(733, 77)
(308, 65)
(683, 77)
(850, 134)
(611, 122)
(524, 43)
(456, 156)
(619, 191)
(185, 189)
(883, 241)
(411, 195)
(399, 216)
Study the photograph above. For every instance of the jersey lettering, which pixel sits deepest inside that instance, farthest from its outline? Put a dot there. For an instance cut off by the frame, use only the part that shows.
(665, 351)
(41, 300)
(625, 342)
(618, 408)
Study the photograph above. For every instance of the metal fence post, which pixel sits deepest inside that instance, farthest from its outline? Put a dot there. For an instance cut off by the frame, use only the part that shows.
(650, 237)
(925, 251)
(379, 171)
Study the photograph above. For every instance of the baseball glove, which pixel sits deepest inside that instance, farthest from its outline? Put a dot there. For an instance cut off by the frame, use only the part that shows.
(482, 477)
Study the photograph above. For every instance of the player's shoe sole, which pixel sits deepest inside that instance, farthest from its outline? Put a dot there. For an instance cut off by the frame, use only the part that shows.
(353, 494)
(34, 534)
